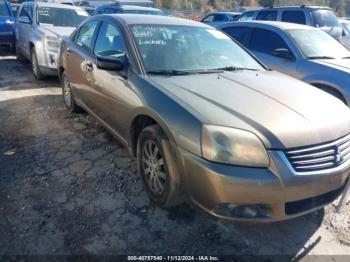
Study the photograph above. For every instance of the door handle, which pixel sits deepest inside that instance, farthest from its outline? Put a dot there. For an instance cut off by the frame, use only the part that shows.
(89, 67)
(68, 51)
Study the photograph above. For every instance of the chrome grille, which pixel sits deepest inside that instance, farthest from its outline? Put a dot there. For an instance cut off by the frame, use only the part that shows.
(320, 157)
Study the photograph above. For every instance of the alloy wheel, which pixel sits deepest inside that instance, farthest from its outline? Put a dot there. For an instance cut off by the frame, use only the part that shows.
(34, 64)
(67, 95)
(153, 167)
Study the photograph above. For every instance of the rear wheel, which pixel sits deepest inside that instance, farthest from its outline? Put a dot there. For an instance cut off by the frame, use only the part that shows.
(68, 97)
(35, 66)
(157, 168)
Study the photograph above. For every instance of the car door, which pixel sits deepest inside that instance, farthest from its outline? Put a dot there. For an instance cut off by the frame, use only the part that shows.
(241, 34)
(113, 94)
(264, 43)
(24, 27)
(79, 61)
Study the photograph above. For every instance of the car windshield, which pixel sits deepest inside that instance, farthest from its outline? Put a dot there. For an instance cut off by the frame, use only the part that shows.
(3, 9)
(185, 48)
(65, 17)
(325, 18)
(144, 12)
(315, 43)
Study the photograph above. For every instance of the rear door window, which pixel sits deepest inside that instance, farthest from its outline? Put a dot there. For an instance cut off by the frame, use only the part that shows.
(4, 11)
(266, 41)
(240, 34)
(293, 16)
(270, 15)
(220, 18)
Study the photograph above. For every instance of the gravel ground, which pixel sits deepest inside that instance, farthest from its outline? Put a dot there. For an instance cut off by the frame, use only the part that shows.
(68, 187)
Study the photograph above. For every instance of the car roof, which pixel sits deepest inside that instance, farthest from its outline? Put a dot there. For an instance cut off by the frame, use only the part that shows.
(132, 19)
(129, 7)
(225, 12)
(297, 7)
(57, 5)
(279, 25)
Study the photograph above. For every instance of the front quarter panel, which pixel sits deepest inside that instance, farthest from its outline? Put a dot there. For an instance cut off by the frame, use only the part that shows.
(314, 73)
(181, 126)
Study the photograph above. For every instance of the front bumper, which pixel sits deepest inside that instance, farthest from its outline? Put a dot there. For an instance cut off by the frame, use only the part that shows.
(7, 37)
(258, 194)
(47, 59)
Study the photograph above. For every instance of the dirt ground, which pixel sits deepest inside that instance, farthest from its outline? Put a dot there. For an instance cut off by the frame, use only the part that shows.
(68, 187)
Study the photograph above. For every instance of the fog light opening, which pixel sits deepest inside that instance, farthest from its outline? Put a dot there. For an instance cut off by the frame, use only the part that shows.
(52, 59)
(243, 211)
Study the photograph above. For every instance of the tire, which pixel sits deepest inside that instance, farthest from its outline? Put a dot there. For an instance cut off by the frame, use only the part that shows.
(67, 94)
(20, 57)
(157, 168)
(35, 65)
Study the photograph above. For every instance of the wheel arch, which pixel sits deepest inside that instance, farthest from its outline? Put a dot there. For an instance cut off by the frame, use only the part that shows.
(331, 89)
(143, 120)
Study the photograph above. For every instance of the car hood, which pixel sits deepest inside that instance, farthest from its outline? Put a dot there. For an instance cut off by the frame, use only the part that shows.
(340, 64)
(58, 31)
(281, 111)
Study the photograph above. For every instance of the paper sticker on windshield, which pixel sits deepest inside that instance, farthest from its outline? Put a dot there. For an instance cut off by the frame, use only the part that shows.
(81, 12)
(217, 34)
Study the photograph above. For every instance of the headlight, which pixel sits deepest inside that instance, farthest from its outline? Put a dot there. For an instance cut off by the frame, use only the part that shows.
(233, 146)
(9, 22)
(52, 42)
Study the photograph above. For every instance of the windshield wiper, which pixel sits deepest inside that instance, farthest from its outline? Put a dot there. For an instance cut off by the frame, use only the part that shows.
(235, 68)
(320, 57)
(169, 72)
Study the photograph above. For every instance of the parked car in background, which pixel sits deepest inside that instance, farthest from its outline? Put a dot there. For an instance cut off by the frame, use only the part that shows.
(40, 28)
(207, 122)
(315, 16)
(116, 8)
(219, 17)
(7, 25)
(345, 39)
(90, 9)
(144, 3)
(303, 52)
(14, 8)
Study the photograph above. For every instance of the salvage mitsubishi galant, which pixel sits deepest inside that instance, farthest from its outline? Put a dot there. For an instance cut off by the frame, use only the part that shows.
(207, 122)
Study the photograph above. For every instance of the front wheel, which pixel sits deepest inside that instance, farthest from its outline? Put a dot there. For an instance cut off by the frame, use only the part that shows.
(20, 57)
(35, 66)
(157, 167)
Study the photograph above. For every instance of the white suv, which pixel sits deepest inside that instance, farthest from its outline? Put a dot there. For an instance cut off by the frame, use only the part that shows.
(315, 16)
(39, 30)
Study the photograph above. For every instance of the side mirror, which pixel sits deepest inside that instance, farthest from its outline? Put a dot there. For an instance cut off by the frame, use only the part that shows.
(111, 63)
(24, 20)
(283, 53)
